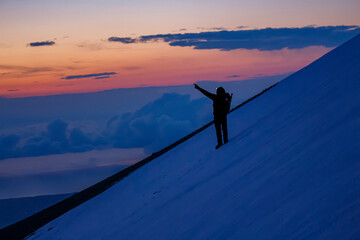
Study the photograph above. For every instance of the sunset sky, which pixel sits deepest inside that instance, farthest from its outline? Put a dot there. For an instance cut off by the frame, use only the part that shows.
(56, 47)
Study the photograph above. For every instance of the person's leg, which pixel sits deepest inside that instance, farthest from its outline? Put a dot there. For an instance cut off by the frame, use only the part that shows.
(218, 132)
(224, 129)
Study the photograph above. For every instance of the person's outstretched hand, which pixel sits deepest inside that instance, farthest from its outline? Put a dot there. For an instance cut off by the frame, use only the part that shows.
(196, 86)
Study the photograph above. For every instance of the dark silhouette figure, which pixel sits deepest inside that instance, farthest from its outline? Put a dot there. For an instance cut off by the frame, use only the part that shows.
(221, 105)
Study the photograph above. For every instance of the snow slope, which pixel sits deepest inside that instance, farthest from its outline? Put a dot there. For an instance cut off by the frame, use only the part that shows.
(290, 171)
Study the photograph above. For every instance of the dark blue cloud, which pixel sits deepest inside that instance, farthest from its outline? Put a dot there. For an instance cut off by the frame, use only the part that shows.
(57, 131)
(218, 28)
(44, 43)
(9, 141)
(52, 141)
(158, 123)
(81, 142)
(90, 75)
(169, 118)
(125, 40)
(241, 27)
(56, 139)
(235, 76)
(78, 137)
(8, 145)
(266, 39)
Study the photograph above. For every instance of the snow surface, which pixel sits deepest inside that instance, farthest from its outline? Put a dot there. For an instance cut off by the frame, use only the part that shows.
(291, 170)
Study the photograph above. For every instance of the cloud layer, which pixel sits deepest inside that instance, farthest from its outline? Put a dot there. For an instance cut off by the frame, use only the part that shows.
(94, 75)
(266, 39)
(156, 125)
(125, 40)
(39, 44)
(57, 138)
(159, 123)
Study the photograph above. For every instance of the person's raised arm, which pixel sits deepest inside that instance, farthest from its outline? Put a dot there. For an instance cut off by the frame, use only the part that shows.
(206, 93)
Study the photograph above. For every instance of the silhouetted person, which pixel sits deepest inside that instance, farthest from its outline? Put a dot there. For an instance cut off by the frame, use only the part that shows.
(221, 104)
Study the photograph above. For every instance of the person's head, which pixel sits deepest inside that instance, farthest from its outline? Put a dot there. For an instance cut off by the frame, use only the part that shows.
(220, 91)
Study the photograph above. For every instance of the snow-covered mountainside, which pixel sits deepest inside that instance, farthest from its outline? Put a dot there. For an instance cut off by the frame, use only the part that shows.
(291, 170)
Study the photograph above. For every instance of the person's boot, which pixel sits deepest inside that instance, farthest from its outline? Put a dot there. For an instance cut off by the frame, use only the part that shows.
(219, 145)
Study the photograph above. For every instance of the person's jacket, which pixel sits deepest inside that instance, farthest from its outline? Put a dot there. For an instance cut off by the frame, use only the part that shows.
(220, 103)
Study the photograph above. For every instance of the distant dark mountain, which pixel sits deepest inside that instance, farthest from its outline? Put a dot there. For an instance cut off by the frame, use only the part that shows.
(15, 209)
